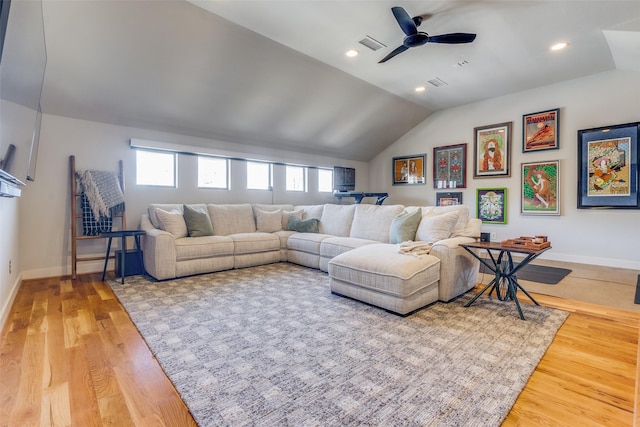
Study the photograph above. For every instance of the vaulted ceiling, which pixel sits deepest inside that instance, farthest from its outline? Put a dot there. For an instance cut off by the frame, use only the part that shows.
(274, 73)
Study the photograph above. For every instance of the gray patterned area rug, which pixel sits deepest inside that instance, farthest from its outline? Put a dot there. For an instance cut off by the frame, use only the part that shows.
(271, 346)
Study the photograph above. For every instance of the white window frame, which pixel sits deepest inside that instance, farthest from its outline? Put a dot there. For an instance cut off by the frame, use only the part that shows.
(290, 182)
(156, 158)
(266, 181)
(328, 172)
(217, 176)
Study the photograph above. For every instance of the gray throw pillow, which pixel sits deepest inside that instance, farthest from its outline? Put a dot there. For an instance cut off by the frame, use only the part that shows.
(404, 226)
(309, 225)
(198, 222)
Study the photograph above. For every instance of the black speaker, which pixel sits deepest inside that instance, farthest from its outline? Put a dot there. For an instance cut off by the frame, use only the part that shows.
(132, 265)
(485, 237)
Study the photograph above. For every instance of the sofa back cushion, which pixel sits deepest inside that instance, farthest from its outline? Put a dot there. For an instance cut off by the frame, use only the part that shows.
(232, 219)
(310, 211)
(268, 221)
(372, 222)
(336, 219)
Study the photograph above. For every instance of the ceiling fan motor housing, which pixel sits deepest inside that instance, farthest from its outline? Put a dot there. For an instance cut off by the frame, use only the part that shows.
(416, 40)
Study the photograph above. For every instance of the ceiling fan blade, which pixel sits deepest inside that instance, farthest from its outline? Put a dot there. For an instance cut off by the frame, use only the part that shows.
(395, 52)
(404, 20)
(453, 38)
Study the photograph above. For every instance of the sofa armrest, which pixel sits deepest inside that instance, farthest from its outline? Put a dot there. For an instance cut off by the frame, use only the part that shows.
(458, 268)
(158, 250)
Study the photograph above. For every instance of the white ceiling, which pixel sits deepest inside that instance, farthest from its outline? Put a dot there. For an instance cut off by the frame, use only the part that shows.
(274, 73)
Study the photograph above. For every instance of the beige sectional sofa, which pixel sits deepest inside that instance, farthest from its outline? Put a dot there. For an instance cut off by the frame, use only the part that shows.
(245, 235)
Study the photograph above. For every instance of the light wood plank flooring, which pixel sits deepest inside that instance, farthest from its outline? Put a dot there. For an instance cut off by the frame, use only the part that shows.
(70, 356)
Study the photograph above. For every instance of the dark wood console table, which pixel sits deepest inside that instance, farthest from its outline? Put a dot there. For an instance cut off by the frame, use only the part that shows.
(359, 196)
(505, 282)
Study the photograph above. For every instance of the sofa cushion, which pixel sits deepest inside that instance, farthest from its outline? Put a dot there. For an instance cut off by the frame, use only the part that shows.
(172, 222)
(373, 221)
(434, 228)
(198, 222)
(268, 221)
(168, 207)
(306, 242)
(461, 210)
(271, 208)
(232, 219)
(336, 219)
(382, 268)
(309, 225)
(404, 226)
(248, 243)
(334, 246)
(203, 247)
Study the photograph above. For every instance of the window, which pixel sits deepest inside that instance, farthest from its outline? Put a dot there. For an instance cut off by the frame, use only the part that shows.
(296, 178)
(155, 168)
(325, 180)
(259, 176)
(213, 172)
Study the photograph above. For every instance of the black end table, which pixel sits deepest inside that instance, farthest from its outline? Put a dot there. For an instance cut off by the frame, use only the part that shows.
(123, 234)
(505, 282)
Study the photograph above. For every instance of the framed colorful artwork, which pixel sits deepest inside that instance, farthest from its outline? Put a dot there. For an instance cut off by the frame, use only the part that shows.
(450, 166)
(409, 170)
(491, 205)
(492, 151)
(540, 188)
(448, 199)
(541, 131)
(608, 167)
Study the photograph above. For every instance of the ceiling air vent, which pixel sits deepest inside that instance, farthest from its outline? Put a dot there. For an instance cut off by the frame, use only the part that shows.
(371, 43)
(437, 82)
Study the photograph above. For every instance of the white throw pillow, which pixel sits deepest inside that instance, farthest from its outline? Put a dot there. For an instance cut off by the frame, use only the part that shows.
(268, 222)
(434, 228)
(173, 222)
(287, 214)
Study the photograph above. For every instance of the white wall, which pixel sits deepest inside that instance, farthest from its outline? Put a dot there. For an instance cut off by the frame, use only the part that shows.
(45, 205)
(601, 237)
(9, 252)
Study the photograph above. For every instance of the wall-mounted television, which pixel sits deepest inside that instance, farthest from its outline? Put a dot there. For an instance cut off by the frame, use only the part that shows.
(23, 59)
(344, 179)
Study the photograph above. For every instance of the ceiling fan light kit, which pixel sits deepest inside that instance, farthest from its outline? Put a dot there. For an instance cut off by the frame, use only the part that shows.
(415, 38)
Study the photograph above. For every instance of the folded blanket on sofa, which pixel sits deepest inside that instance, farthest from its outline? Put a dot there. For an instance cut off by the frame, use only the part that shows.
(415, 248)
(103, 192)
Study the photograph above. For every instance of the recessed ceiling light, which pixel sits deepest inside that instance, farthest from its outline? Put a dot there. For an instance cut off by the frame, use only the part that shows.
(420, 89)
(351, 53)
(559, 46)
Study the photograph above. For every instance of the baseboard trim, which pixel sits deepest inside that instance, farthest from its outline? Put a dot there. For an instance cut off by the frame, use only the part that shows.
(6, 308)
(603, 262)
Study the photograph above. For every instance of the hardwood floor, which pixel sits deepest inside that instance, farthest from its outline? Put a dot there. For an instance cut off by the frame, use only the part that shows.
(70, 356)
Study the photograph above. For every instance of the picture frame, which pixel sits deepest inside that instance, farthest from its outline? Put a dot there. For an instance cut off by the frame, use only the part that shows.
(541, 131)
(608, 160)
(409, 170)
(450, 166)
(491, 205)
(448, 199)
(540, 188)
(492, 150)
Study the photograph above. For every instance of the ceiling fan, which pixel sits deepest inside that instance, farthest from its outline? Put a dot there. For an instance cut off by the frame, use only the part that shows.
(415, 38)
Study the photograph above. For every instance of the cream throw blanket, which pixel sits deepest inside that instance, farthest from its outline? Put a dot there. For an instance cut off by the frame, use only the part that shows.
(415, 248)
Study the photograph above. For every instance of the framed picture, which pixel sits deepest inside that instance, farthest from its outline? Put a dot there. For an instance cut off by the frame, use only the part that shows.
(450, 166)
(540, 188)
(492, 205)
(448, 199)
(608, 167)
(492, 152)
(541, 131)
(409, 170)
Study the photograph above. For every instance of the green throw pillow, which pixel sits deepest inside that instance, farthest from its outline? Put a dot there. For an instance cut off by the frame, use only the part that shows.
(309, 225)
(198, 222)
(404, 226)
